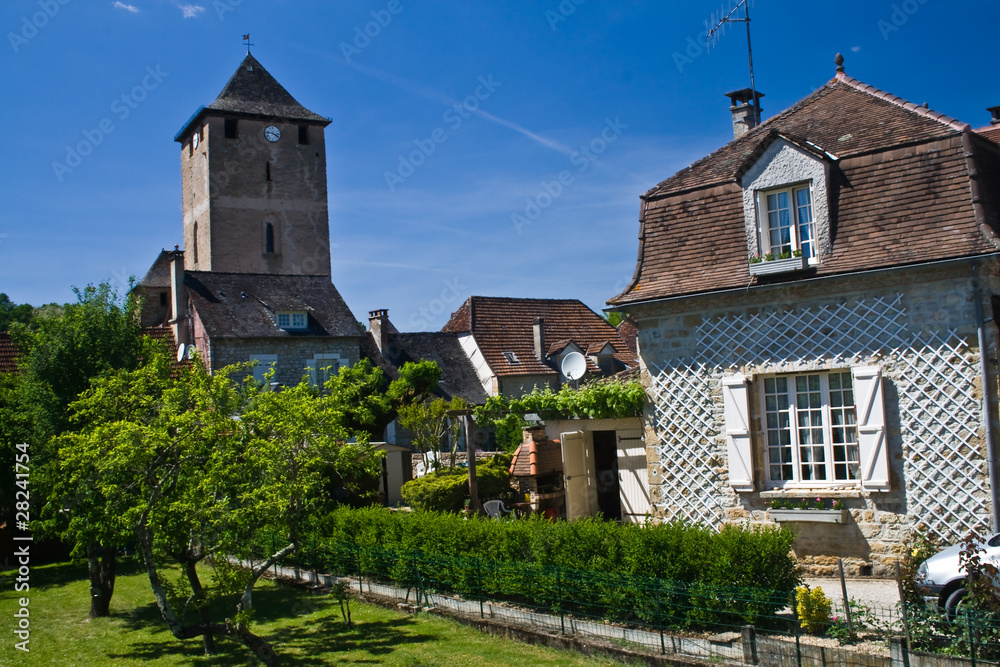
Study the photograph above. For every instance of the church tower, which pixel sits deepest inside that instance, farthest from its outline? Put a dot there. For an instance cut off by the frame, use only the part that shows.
(253, 178)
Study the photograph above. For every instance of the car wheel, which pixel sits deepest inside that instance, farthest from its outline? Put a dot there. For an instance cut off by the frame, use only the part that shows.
(954, 603)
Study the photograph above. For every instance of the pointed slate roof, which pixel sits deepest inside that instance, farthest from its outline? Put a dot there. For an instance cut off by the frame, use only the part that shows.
(252, 91)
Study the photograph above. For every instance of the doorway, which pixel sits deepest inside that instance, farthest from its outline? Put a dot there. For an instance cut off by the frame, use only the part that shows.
(606, 472)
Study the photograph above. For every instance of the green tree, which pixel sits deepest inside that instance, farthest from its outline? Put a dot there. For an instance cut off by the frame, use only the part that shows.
(198, 467)
(429, 423)
(11, 312)
(61, 352)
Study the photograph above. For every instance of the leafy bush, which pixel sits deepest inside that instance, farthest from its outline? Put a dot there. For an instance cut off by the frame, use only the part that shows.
(670, 574)
(448, 490)
(813, 609)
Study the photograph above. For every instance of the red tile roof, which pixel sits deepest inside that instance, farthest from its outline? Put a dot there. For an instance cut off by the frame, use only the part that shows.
(8, 354)
(900, 195)
(502, 324)
(991, 132)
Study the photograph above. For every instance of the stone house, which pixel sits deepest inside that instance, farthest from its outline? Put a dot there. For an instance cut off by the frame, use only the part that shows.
(518, 344)
(815, 303)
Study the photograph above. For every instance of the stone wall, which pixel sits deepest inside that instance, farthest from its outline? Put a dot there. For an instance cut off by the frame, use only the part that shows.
(917, 325)
(294, 354)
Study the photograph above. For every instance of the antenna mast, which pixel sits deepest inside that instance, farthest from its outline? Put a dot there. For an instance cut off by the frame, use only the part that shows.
(712, 37)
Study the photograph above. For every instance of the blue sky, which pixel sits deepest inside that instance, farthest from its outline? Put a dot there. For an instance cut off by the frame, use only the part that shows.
(631, 80)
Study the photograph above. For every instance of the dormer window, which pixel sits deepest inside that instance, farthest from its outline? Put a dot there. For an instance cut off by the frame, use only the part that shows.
(291, 319)
(786, 206)
(788, 221)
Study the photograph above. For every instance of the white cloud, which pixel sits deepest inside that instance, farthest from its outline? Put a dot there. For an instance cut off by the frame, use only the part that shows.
(855, 48)
(191, 11)
(128, 8)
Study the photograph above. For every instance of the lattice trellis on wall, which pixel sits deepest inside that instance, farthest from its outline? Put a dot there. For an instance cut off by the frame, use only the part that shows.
(940, 421)
(686, 451)
(935, 376)
(835, 331)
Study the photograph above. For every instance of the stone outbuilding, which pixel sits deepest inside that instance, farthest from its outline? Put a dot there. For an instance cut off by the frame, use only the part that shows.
(816, 309)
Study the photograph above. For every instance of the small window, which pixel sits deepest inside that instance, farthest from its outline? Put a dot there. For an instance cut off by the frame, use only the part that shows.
(303, 135)
(292, 320)
(322, 367)
(269, 238)
(163, 298)
(267, 171)
(191, 148)
(787, 222)
(230, 128)
(265, 362)
(194, 241)
(511, 358)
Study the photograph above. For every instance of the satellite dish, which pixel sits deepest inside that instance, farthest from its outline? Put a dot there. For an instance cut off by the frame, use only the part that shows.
(181, 351)
(191, 349)
(574, 365)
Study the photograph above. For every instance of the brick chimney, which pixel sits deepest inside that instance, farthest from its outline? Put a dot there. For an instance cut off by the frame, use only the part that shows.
(994, 114)
(746, 116)
(378, 325)
(539, 331)
(178, 298)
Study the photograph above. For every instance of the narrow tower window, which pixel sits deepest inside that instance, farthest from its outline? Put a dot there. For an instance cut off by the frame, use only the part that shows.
(267, 171)
(303, 135)
(230, 128)
(269, 238)
(194, 244)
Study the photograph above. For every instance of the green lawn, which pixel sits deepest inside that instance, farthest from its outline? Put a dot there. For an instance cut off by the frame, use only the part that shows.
(304, 630)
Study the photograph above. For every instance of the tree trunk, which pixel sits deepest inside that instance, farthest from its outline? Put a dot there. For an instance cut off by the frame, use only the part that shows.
(207, 640)
(101, 568)
(259, 646)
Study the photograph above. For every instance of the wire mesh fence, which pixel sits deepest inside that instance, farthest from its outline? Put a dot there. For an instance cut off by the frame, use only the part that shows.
(654, 615)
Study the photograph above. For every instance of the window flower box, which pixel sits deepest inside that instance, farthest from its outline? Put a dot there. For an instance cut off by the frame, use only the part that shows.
(766, 267)
(814, 516)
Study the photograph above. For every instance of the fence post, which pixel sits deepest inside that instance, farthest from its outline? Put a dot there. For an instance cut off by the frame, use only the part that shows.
(798, 650)
(906, 616)
(657, 591)
(847, 603)
(559, 599)
(749, 633)
(479, 585)
(972, 638)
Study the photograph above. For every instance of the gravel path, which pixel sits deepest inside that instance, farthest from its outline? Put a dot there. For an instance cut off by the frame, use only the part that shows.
(878, 592)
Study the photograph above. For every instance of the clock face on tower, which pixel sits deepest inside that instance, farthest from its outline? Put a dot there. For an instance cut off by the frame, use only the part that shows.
(271, 133)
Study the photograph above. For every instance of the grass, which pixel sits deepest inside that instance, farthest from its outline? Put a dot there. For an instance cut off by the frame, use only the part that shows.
(304, 630)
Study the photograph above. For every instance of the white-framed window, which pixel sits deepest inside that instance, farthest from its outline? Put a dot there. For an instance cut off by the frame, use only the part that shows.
(511, 358)
(323, 366)
(290, 319)
(810, 430)
(786, 221)
(265, 362)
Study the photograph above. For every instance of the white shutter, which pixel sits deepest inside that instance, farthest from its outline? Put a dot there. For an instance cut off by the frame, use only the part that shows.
(738, 450)
(872, 446)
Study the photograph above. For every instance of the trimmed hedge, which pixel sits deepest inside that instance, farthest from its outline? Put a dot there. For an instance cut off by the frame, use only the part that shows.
(448, 490)
(670, 574)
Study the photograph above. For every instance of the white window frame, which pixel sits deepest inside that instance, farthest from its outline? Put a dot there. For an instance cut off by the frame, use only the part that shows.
(265, 362)
(763, 219)
(292, 319)
(827, 426)
(315, 366)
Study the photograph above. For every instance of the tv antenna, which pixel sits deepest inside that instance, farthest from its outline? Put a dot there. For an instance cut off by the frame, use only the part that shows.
(718, 29)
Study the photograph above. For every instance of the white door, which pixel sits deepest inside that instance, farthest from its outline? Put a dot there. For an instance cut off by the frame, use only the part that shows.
(578, 473)
(633, 475)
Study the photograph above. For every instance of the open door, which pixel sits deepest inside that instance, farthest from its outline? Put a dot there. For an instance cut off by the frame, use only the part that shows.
(578, 474)
(633, 476)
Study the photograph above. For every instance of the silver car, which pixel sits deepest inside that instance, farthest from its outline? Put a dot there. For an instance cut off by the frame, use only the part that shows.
(943, 577)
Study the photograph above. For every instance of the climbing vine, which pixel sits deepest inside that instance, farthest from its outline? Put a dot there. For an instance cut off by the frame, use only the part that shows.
(596, 400)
